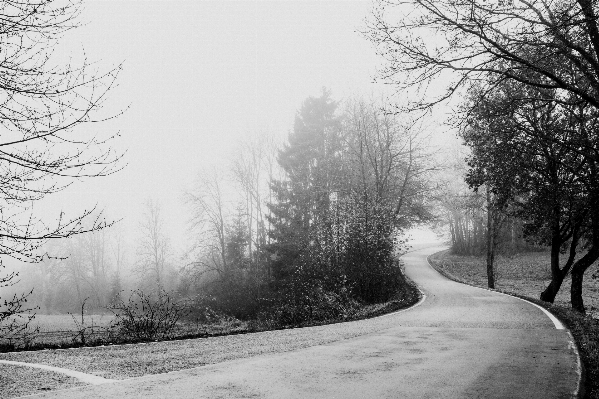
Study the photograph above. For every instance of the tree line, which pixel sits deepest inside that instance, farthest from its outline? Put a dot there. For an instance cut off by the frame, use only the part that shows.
(99, 268)
(312, 230)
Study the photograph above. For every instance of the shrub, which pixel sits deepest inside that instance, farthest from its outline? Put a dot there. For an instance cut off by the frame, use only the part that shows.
(144, 317)
(305, 302)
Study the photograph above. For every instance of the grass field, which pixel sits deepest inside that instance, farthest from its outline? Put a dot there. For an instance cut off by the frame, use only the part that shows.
(63, 331)
(527, 275)
(62, 322)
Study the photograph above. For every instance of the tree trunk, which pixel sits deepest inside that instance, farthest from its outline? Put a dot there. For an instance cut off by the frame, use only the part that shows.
(576, 291)
(557, 277)
(581, 266)
(552, 289)
(578, 271)
(557, 274)
(490, 243)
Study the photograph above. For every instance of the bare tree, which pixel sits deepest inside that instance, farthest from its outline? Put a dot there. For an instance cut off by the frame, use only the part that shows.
(118, 249)
(209, 221)
(73, 271)
(252, 170)
(44, 107)
(547, 44)
(388, 160)
(153, 249)
(96, 253)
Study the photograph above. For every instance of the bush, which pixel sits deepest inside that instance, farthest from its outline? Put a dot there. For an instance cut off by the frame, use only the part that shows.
(305, 302)
(204, 310)
(144, 317)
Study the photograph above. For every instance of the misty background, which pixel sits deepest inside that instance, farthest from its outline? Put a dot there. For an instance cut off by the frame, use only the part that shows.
(201, 77)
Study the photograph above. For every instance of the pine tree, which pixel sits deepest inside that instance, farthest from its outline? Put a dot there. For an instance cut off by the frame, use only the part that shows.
(236, 242)
(301, 210)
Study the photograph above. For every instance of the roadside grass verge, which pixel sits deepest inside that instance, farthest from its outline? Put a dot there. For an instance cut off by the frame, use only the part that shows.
(19, 381)
(66, 331)
(135, 360)
(59, 332)
(225, 340)
(526, 275)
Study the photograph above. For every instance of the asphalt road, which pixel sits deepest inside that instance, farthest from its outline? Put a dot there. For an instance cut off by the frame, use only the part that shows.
(460, 342)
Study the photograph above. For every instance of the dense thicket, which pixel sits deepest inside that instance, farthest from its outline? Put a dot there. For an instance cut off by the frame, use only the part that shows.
(321, 236)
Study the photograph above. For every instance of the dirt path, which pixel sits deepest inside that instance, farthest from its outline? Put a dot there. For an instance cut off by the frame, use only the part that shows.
(461, 342)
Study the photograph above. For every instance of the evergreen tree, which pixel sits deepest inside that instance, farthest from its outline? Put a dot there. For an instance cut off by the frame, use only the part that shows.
(236, 242)
(301, 211)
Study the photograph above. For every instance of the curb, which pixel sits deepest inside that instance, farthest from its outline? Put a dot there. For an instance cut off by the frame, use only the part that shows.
(83, 377)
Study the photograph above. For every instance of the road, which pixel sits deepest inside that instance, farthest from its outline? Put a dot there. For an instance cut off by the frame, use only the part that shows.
(460, 342)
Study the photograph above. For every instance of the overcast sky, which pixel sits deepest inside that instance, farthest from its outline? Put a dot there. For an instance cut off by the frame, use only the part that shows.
(201, 75)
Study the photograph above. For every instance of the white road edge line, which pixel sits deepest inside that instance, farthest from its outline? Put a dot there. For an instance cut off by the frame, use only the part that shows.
(422, 299)
(574, 348)
(571, 342)
(87, 378)
(558, 325)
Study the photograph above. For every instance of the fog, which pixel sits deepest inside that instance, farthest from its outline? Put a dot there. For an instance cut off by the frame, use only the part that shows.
(199, 77)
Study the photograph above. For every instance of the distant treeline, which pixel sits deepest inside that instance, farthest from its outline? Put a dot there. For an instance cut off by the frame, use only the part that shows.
(467, 218)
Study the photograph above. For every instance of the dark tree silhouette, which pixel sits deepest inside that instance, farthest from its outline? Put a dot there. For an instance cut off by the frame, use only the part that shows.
(550, 45)
(522, 148)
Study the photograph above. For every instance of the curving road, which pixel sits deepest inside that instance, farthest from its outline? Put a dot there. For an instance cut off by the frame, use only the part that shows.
(460, 342)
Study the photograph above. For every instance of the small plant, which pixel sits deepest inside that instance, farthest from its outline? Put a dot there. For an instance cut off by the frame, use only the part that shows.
(143, 317)
(84, 330)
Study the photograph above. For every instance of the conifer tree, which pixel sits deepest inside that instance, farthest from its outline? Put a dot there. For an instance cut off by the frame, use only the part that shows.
(301, 209)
